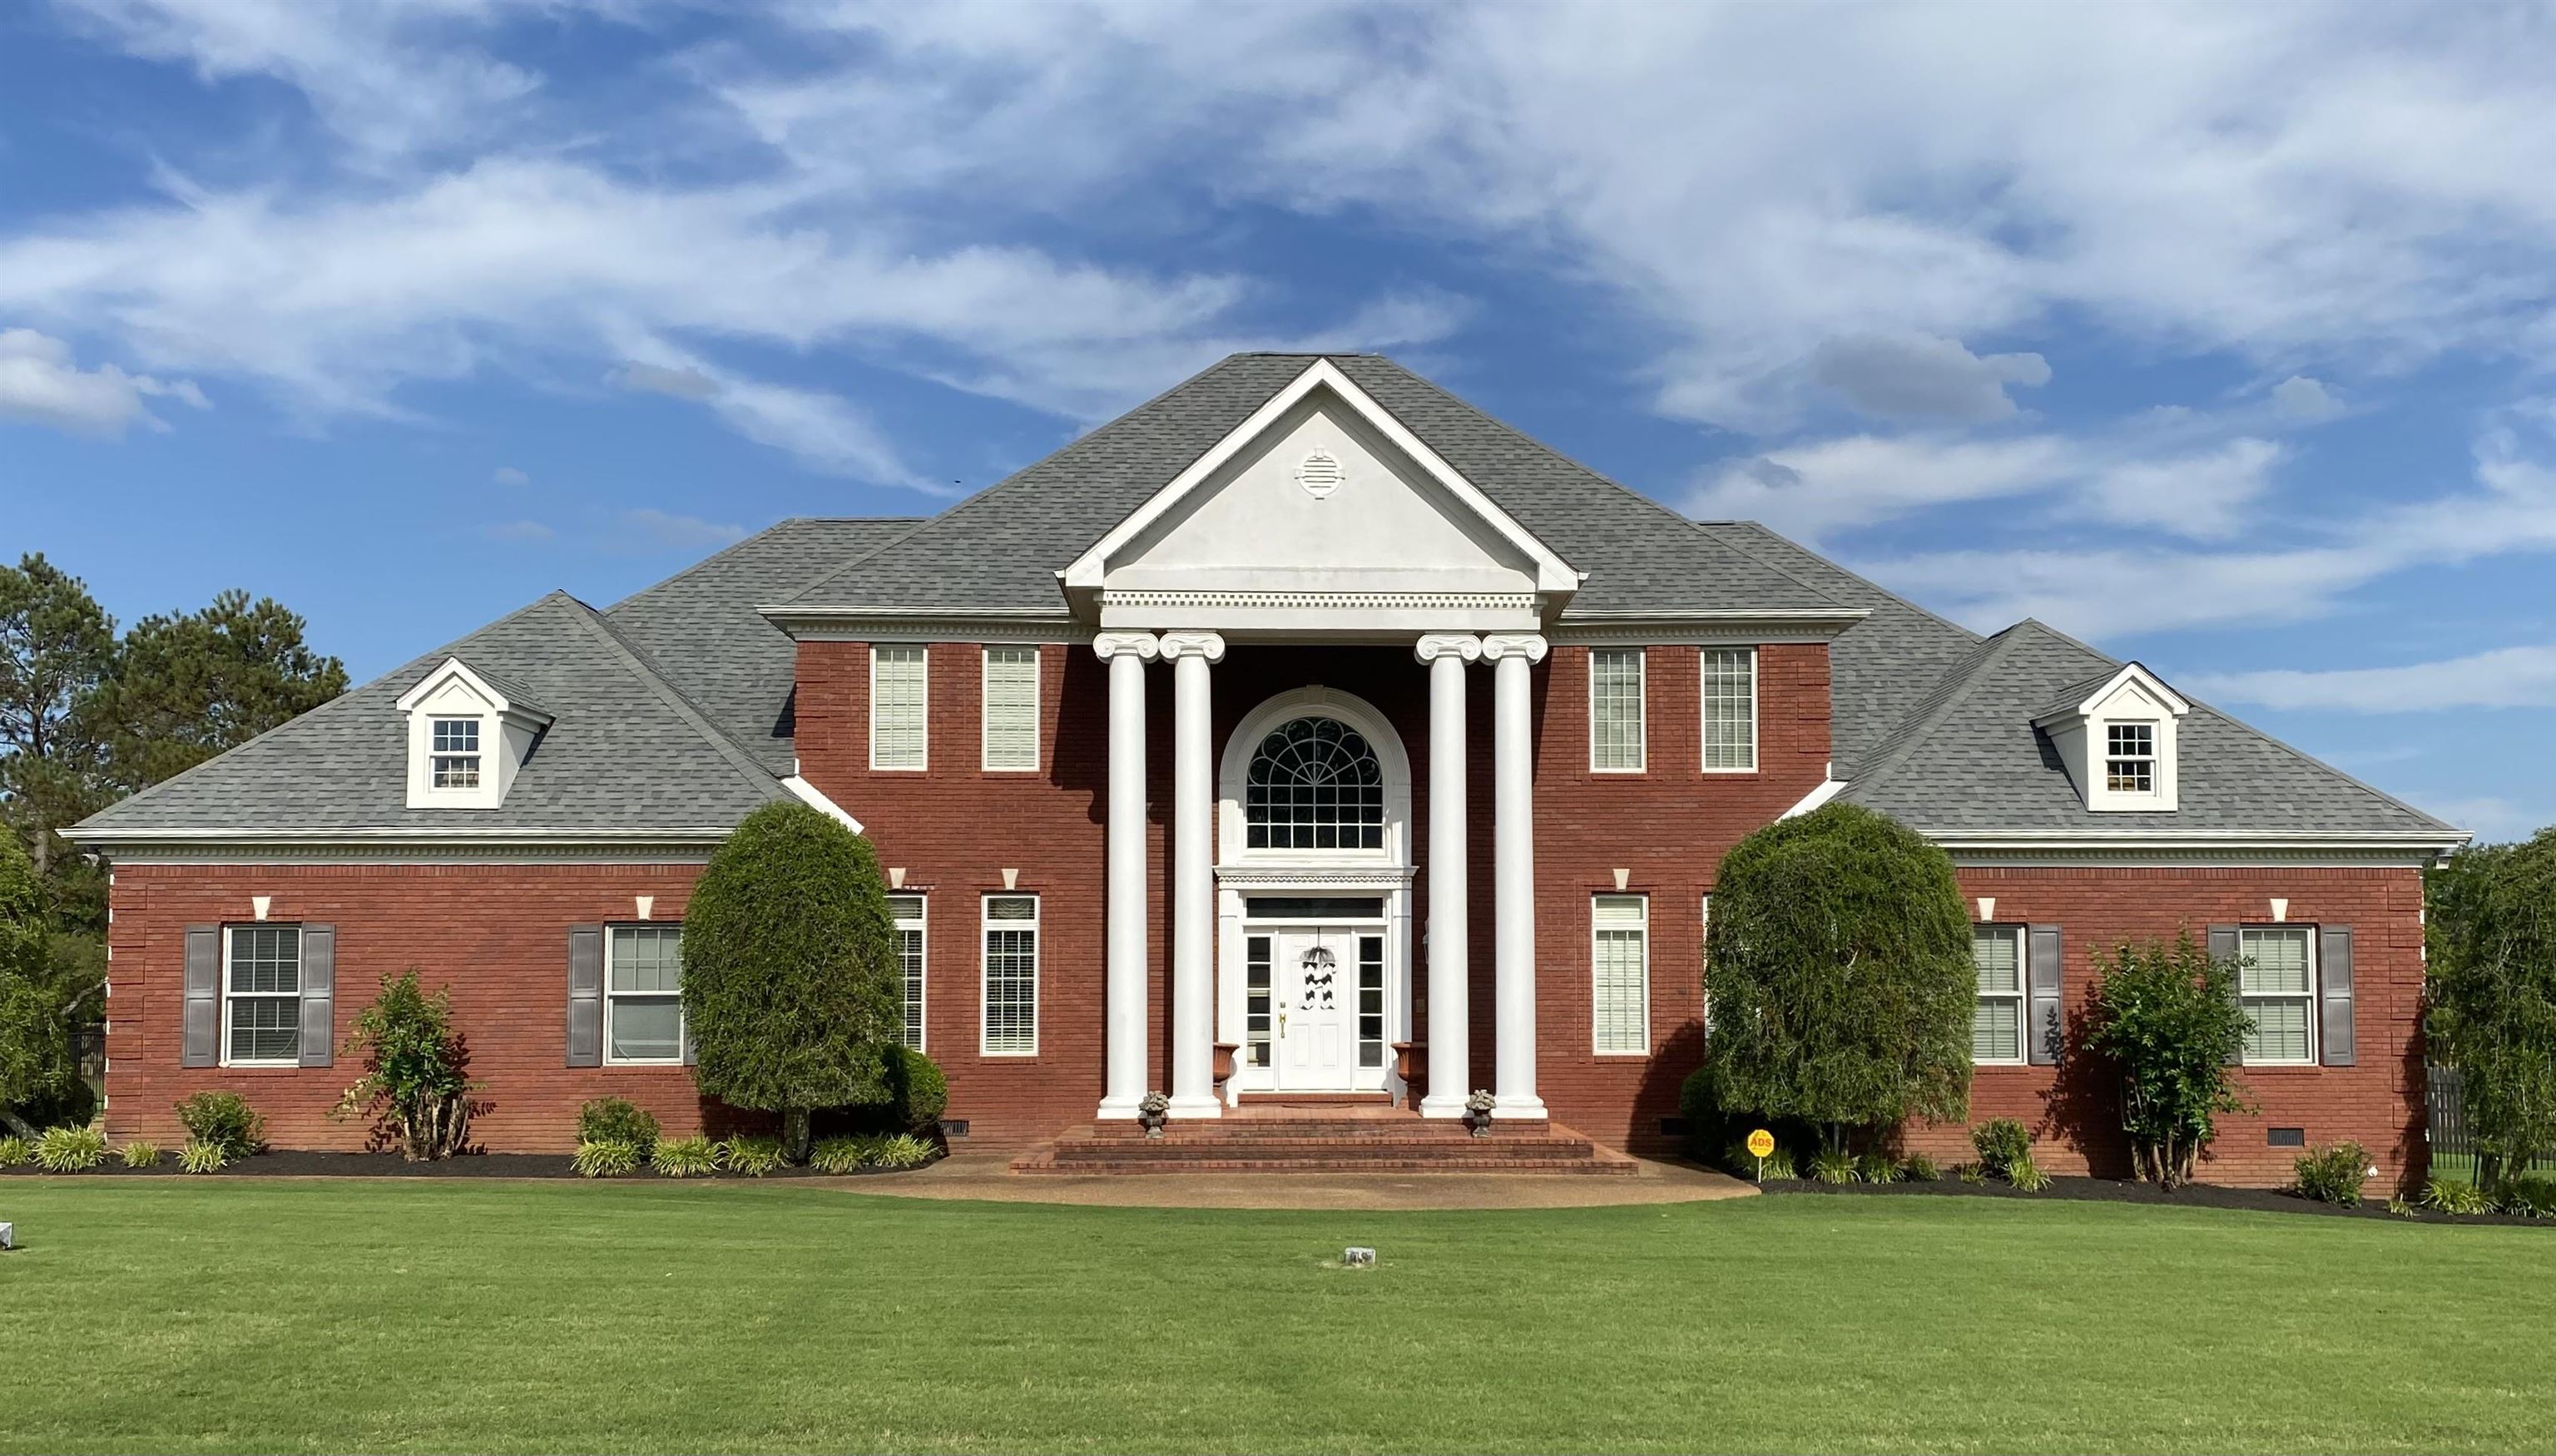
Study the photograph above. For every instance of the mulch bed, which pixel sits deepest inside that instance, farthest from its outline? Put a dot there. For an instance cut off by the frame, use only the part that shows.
(286, 1165)
(2116, 1190)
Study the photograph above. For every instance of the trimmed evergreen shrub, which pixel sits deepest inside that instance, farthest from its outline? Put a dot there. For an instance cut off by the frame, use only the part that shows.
(752, 1156)
(416, 1085)
(2333, 1174)
(1842, 984)
(2168, 1018)
(685, 1158)
(2001, 1142)
(142, 1154)
(617, 1119)
(201, 1156)
(606, 1159)
(919, 1094)
(793, 988)
(224, 1119)
(71, 1150)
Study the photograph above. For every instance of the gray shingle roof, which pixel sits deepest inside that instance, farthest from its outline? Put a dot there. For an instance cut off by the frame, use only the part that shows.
(1000, 549)
(628, 751)
(702, 632)
(1967, 761)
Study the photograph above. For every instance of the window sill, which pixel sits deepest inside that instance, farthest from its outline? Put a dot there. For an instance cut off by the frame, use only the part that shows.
(1998, 1066)
(1008, 1056)
(1726, 773)
(289, 1064)
(1623, 1056)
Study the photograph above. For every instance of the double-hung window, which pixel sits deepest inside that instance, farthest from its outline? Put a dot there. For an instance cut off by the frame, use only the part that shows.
(897, 727)
(1998, 1016)
(2130, 758)
(1620, 953)
(2276, 983)
(1730, 709)
(643, 985)
(262, 995)
(456, 753)
(1011, 690)
(907, 913)
(1011, 975)
(1615, 710)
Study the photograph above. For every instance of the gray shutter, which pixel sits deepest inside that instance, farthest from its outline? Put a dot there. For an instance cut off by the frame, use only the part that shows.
(2334, 1001)
(318, 996)
(2045, 1032)
(585, 995)
(2223, 949)
(202, 1022)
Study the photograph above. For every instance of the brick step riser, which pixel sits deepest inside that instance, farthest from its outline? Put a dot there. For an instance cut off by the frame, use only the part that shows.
(1328, 1147)
(1569, 1166)
(1247, 1132)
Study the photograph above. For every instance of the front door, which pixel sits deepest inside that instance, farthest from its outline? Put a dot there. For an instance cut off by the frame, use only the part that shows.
(1325, 1008)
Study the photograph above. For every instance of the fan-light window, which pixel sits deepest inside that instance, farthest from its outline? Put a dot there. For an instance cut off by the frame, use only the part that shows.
(897, 678)
(1314, 785)
(1011, 708)
(1620, 1000)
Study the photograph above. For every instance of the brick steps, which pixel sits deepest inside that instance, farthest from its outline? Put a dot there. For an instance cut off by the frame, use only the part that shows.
(1401, 1143)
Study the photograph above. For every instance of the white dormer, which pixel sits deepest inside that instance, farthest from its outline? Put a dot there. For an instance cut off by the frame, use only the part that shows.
(467, 734)
(2118, 741)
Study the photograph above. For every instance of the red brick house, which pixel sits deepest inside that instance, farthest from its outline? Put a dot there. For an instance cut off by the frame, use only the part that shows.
(1302, 734)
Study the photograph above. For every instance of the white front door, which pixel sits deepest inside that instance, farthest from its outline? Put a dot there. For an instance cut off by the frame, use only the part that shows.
(1324, 1017)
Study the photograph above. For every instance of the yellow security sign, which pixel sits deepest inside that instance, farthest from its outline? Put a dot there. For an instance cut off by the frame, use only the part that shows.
(1761, 1144)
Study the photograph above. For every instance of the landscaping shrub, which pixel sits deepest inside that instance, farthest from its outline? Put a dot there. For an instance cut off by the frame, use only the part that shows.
(2168, 1016)
(51, 983)
(793, 988)
(224, 1119)
(200, 1156)
(836, 1154)
(1917, 1168)
(142, 1154)
(2333, 1174)
(2491, 964)
(1833, 1165)
(2456, 1196)
(16, 1153)
(2532, 1197)
(1841, 985)
(920, 1092)
(1779, 1164)
(902, 1150)
(752, 1156)
(71, 1150)
(685, 1158)
(608, 1157)
(1877, 1167)
(416, 1085)
(617, 1119)
(2027, 1175)
(2001, 1142)
(1970, 1173)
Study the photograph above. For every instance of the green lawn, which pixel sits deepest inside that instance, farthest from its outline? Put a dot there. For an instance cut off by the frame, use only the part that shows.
(182, 1315)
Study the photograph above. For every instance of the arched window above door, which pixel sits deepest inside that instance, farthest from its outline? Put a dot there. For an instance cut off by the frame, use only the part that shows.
(1314, 784)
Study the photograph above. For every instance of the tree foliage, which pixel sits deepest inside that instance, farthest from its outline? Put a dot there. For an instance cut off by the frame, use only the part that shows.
(48, 986)
(1841, 978)
(792, 985)
(187, 686)
(2168, 1018)
(2492, 954)
(57, 646)
(415, 1086)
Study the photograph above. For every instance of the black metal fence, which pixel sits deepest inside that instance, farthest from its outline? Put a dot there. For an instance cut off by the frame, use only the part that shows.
(2454, 1150)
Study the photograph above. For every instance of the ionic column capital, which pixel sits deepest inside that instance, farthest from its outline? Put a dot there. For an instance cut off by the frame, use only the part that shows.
(1461, 645)
(1144, 646)
(1207, 645)
(1498, 646)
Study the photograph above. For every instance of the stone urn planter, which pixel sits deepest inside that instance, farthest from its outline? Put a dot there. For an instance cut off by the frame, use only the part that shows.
(1478, 1113)
(1151, 1112)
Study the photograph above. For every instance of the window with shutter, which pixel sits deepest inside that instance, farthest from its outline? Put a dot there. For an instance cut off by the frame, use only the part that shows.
(643, 984)
(1996, 1017)
(2276, 985)
(1730, 709)
(897, 718)
(262, 995)
(1619, 1000)
(1011, 708)
(1615, 710)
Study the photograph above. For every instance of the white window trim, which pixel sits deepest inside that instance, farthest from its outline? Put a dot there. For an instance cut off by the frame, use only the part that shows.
(229, 995)
(921, 925)
(1641, 711)
(2154, 759)
(2022, 996)
(923, 710)
(479, 734)
(1703, 721)
(2316, 973)
(682, 1021)
(985, 703)
(1644, 1049)
(986, 923)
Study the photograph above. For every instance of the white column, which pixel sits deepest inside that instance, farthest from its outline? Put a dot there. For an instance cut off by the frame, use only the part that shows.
(1123, 1085)
(1193, 876)
(1450, 947)
(1513, 874)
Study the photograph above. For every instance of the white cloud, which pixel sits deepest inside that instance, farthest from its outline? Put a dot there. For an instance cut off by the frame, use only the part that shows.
(2302, 398)
(1914, 377)
(685, 383)
(516, 532)
(2505, 677)
(646, 526)
(2206, 495)
(40, 384)
(509, 475)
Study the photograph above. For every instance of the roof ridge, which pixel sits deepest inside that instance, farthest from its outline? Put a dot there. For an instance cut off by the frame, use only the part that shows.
(636, 659)
(1951, 691)
(1823, 558)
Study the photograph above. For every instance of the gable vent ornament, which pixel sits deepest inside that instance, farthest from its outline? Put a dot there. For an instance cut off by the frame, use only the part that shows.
(1320, 474)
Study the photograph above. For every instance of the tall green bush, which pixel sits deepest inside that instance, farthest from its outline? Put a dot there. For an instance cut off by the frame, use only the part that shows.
(1841, 981)
(792, 985)
(48, 986)
(416, 1085)
(2492, 942)
(2167, 1016)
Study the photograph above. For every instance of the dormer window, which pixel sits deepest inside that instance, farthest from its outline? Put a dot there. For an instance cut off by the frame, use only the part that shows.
(468, 732)
(2116, 736)
(456, 753)
(2130, 758)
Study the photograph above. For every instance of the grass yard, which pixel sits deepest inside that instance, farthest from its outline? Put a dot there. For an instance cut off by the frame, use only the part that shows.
(331, 1316)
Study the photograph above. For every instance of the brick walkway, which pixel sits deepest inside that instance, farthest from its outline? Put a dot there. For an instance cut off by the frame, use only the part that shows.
(987, 1176)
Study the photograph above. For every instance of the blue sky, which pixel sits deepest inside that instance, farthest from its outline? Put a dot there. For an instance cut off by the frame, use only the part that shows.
(2216, 335)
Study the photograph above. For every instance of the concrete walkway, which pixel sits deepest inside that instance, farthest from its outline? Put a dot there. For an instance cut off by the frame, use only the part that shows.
(987, 1176)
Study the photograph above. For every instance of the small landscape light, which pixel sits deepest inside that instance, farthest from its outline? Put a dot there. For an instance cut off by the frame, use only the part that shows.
(1357, 1257)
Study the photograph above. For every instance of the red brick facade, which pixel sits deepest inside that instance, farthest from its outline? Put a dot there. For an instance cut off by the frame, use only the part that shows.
(497, 934)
